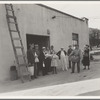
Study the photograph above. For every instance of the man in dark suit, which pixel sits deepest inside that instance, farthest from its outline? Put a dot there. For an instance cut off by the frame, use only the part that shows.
(69, 52)
(42, 60)
(37, 63)
(31, 58)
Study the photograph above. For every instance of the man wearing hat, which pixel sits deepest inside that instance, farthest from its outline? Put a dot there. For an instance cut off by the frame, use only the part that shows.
(69, 52)
(42, 60)
(62, 56)
(75, 57)
(37, 59)
(31, 59)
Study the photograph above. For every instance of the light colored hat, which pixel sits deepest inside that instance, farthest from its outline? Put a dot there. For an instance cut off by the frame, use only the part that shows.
(43, 47)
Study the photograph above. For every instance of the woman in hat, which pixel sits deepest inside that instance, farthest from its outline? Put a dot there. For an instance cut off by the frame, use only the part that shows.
(42, 60)
(54, 62)
(86, 60)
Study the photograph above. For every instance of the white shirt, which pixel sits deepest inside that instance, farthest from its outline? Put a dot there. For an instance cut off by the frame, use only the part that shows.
(62, 54)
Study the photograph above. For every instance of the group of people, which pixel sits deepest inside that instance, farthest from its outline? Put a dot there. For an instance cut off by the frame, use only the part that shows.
(41, 61)
(47, 60)
(77, 56)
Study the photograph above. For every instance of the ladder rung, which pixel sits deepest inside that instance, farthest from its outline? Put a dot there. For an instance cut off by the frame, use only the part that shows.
(16, 39)
(12, 22)
(10, 10)
(13, 30)
(9, 16)
(20, 55)
(18, 47)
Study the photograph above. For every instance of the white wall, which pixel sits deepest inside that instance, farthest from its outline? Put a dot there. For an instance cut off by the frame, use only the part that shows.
(34, 19)
(6, 51)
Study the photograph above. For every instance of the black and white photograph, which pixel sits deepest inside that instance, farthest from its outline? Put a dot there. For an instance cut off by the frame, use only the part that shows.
(50, 49)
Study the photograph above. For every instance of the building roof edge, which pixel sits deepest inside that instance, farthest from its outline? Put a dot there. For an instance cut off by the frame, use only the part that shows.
(60, 11)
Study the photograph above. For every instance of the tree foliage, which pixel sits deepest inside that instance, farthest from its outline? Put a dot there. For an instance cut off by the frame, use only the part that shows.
(94, 37)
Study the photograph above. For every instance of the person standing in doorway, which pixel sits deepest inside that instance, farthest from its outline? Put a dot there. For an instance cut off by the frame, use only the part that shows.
(42, 60)
(75, 57)
(37, 58)
(68, 53)
(86, 58)
(47, 60)
(31, 59)
(62, 56)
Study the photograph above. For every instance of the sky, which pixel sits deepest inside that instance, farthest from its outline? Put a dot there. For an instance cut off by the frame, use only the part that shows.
(88, 9)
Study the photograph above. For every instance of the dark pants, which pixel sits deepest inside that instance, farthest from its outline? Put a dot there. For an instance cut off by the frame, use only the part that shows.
(43, 71)
(54, 69)
(78, 66)
(70, 64)
(42, 68)
(35, 70)
(47, 65)
(38, 68)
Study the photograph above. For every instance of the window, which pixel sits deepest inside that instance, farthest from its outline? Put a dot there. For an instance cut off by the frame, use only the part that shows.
(75, 39)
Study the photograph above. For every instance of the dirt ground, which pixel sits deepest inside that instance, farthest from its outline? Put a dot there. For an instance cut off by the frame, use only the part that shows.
(54, 79)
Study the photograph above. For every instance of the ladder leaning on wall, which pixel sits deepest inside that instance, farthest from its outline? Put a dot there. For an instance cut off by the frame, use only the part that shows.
(17, 43)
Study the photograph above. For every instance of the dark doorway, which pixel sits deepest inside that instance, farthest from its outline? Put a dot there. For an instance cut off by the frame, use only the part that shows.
(42, 41)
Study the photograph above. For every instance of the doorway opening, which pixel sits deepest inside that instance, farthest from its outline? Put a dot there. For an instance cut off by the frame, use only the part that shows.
(42, 41)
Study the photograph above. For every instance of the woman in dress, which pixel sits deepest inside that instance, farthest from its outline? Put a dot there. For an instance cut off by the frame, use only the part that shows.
(86, 60)
(54, 62)
(47, 60)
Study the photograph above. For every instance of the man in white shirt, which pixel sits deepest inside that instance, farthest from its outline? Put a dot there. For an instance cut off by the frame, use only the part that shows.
(62, 56)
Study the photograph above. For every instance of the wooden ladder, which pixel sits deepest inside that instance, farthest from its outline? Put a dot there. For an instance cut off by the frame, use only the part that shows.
(17, 43)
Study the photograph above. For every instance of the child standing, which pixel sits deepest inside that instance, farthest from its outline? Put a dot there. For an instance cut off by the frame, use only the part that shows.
(54, 62)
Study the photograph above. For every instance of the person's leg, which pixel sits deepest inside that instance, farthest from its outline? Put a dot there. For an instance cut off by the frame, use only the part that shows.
(78, 67)
(52, 69)
(88, 63)
(84, 67)
(69, 64)
(62, 63)
(84, 63)
(38, 69)
(42, 68)
(88, 67)
(49, 64)
(46, 66)
(31, 70)
(65, 63)
(35, 70)
(43, 71)
(73, 67)
(55, 70)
